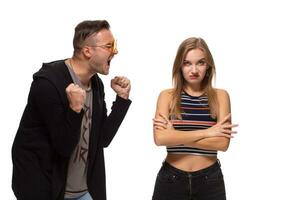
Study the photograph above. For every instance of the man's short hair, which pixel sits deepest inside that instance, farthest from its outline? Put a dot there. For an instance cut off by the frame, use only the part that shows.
(85, 29)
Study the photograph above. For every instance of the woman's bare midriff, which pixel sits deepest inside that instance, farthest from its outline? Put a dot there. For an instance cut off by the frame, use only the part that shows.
(190, 163)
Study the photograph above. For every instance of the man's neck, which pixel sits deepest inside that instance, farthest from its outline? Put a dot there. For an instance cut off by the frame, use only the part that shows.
(81, 70)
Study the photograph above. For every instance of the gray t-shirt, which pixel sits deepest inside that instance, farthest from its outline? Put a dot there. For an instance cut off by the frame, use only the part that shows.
(77, 170)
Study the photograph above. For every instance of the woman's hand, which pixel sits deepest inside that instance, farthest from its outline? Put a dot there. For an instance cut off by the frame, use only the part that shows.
(162, 122)
(222, 128)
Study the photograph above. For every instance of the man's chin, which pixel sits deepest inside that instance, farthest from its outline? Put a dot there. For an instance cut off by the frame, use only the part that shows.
(104, 73)
(104, 70)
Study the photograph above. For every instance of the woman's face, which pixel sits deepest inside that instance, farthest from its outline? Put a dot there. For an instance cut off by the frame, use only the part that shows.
(194, 67)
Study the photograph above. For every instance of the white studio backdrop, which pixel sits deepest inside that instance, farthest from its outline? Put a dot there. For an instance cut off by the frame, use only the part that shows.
(255, 45)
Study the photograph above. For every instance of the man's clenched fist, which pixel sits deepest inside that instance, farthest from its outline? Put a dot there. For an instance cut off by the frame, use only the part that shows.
(121, 85)
(76, 96)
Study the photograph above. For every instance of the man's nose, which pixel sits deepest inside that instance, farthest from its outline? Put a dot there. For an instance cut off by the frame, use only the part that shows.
(115, 51)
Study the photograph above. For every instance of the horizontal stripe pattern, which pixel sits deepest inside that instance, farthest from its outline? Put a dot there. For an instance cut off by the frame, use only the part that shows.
(195, 115)
(191, 150)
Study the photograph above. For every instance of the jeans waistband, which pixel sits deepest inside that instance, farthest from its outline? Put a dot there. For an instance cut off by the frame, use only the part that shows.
(200, 172)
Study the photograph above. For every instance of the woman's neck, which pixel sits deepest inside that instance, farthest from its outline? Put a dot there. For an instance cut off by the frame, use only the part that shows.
(193, 90)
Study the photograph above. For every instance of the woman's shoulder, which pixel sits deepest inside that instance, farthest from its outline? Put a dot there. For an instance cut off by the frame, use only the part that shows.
(222, 94)
(167, 91)
(166, 94)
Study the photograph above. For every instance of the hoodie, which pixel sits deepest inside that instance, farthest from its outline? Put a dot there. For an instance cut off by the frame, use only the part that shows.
(49, 131)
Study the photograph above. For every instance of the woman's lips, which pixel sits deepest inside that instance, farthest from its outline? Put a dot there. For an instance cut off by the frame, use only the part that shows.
(193, 77)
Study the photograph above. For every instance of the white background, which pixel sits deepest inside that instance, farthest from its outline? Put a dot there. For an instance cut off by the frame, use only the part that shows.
(255, 45)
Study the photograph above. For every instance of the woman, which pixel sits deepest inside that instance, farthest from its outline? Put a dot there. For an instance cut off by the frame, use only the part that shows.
(193, 121)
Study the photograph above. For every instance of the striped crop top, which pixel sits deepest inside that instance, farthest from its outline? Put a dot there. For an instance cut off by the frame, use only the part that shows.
(195, 115)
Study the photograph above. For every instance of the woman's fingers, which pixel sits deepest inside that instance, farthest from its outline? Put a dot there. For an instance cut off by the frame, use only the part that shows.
(159, 123)
(158, 127)
(159, 120)
(230, 125)
(164, 117)
(229, 132)
(227, 135)
(162, 121)
(225, 119)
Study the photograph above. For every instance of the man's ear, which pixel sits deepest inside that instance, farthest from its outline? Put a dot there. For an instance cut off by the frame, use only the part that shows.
(87, 52)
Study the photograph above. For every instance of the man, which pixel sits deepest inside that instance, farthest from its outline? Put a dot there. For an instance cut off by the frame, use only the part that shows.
(58, 149)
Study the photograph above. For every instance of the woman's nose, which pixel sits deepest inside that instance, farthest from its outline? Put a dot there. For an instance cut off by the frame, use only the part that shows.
(194, 69)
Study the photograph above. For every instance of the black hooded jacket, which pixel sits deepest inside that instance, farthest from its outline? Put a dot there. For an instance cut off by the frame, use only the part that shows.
(49, 131)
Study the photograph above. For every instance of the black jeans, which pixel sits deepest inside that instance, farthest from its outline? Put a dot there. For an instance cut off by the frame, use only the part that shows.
(175, 184)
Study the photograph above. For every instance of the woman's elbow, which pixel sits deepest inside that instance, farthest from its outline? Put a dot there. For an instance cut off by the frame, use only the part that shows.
(158, 140)
(224, 144)
(223, 148)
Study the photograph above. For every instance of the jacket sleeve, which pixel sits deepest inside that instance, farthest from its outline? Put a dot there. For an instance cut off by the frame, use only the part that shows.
(113, 121)
(62, 123)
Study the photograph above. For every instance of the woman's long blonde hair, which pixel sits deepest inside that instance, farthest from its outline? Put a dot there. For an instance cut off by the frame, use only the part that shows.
(178, 79)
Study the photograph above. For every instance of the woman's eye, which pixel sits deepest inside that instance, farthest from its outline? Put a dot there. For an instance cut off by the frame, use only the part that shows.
(186, 63)
(201, 62)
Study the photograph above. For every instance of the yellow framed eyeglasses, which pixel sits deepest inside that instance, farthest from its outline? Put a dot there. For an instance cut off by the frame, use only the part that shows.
(112, 47)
